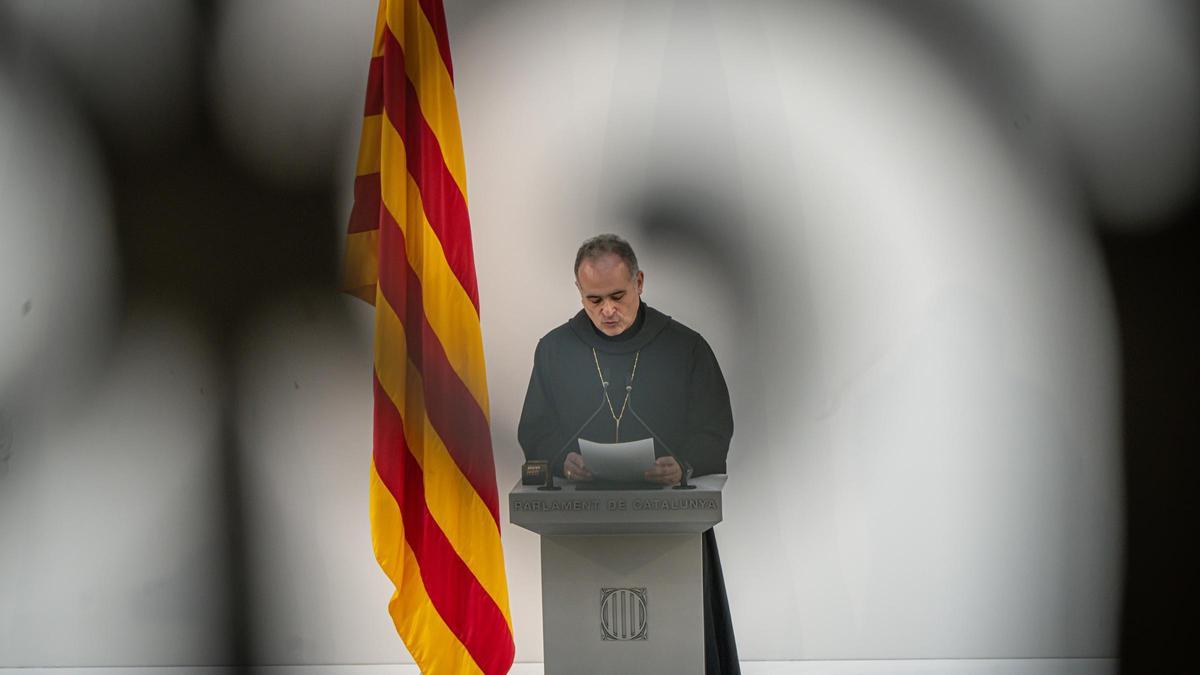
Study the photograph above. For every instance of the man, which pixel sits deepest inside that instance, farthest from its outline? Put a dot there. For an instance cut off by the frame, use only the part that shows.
(618, 353)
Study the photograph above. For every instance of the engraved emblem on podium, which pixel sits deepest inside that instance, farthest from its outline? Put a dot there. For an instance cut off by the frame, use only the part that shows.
(623, 614)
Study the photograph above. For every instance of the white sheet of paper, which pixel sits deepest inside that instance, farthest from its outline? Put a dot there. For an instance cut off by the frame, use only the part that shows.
(627, 461)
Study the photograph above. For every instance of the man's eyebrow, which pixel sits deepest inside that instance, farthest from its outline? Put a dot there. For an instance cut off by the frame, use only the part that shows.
(601, 295)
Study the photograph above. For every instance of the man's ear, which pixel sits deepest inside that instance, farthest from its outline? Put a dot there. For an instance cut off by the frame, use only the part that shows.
(640, 279)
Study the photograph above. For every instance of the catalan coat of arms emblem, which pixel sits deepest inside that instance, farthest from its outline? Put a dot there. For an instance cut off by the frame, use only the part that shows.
(623, 614)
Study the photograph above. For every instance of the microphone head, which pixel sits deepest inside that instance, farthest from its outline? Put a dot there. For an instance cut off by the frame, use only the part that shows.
(605, 383)
(628, 387)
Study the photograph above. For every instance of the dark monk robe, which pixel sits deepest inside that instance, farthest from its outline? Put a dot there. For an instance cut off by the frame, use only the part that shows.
(677, 388)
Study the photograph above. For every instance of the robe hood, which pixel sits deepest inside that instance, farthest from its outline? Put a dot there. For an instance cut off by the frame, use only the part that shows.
(654, 324)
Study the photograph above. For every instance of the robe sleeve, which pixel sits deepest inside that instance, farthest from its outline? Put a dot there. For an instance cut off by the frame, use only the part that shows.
(539, 431)
(709, 415)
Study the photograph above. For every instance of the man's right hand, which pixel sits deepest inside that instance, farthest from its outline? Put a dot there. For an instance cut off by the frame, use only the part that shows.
(573, 468)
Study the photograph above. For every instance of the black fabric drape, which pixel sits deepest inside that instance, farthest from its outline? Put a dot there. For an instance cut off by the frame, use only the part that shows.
(720, 647)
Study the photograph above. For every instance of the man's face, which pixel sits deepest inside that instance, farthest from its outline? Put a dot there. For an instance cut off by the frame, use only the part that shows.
(610, 295)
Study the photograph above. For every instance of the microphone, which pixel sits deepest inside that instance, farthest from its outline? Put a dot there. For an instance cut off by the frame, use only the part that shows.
(563, 450)
(684, 467)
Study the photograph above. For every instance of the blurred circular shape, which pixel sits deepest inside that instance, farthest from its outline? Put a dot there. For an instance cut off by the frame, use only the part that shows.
(286, 79)
(1126, 81)
(920, 312)
(57, 250)
(305, 432)
(133, 61)
(114, 548)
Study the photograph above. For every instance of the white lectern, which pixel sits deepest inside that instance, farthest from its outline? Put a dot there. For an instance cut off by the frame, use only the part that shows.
(622, 575)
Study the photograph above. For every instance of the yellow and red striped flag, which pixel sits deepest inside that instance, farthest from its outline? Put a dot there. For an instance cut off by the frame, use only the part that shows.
(435, 516)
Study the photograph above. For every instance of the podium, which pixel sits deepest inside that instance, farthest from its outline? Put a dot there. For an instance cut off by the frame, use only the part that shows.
(622, 574)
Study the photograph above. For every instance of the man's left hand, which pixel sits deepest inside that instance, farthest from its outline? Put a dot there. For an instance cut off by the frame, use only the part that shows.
(666, 471)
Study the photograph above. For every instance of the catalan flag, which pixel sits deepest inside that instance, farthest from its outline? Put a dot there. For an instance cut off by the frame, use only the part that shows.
(435, 517)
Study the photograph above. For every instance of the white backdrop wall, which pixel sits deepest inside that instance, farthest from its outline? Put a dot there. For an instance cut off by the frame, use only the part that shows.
(888, 257)
(913, 321)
